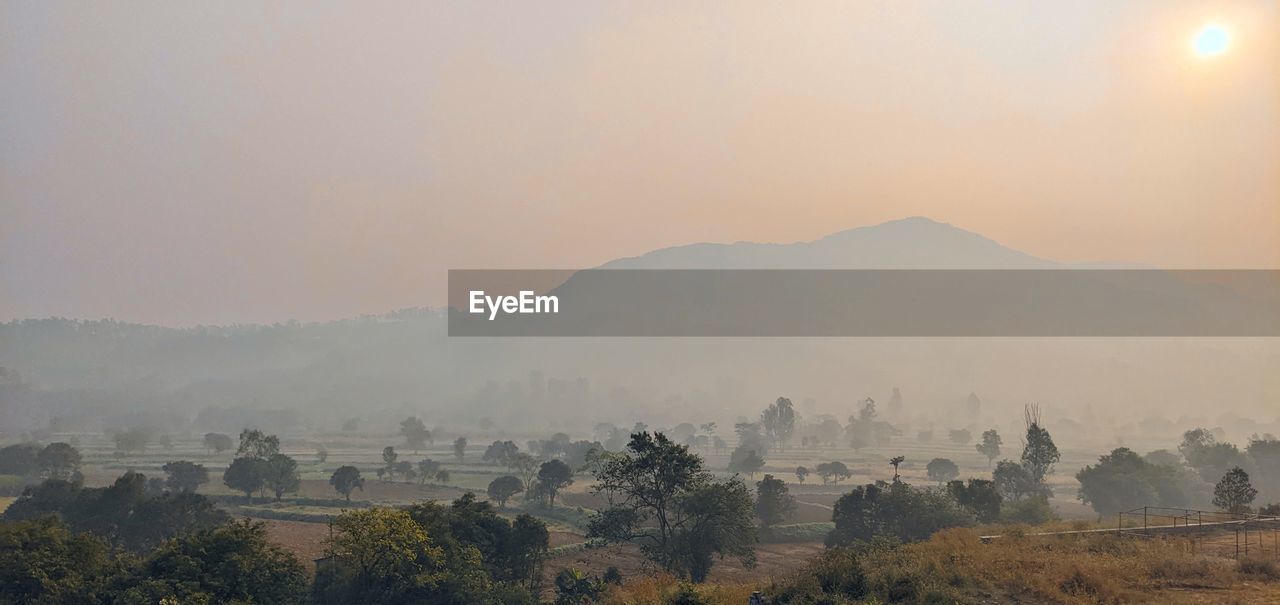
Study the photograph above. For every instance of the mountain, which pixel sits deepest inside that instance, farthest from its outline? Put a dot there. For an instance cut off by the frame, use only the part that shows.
(86, 375)
(909, 243)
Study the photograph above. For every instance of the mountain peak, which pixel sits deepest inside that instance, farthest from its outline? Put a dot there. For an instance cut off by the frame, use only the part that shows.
(915, 242)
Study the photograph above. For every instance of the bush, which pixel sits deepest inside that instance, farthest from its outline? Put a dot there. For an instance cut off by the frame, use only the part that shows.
(1031, 511)
(688, 595)
(1259, 567)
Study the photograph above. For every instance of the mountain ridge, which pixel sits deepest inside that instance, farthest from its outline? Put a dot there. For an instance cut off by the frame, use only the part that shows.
(915, 242)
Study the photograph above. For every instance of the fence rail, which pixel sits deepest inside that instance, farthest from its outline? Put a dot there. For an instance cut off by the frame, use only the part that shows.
(1210, 532)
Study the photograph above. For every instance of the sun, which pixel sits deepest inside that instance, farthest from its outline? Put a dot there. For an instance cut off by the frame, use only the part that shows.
(1211, 40)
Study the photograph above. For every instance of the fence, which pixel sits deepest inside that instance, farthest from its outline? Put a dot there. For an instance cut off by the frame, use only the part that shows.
(1218, 533)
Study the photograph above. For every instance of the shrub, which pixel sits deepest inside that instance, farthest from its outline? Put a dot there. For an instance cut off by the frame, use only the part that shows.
(1031, 511)
(1259, 567)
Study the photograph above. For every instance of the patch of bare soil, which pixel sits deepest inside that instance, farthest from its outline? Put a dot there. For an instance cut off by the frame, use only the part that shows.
(304, 540)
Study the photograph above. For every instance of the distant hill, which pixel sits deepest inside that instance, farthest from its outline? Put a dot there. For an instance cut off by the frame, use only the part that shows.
(83, 375)
(909, 243)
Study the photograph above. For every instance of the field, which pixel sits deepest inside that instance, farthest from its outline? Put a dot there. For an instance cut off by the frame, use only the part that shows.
(996, 573)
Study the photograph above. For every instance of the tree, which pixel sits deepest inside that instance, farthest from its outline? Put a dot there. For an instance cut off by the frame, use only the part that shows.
(802, 473)
(321, 454)
(1211, 458)
(1013, 481)
(1039, 454)
(133, 440)
(502, 453)
(389, 457)
(508, 551)
(573, 587)
(833, 471)
(22, 459)
(125, 513)
(1265, 453)
(960, 436)
(281, 475)
(185, 476)
(942, 470)
(415, 433)
(774, 503)
(427, 469)
(44, 561)
(1234, 493)
(217, 442)
(979, 496)
(658, 483)
(380, 555)
(246, 475)
(990, 446)
(442, 475)
(554, 475)
(744, 460)
(404, 468)
(779, 421)
(233, 563)
(526, 467)
(346, 480)
(502, 488)
(1123, 480)
(256, 444)
(893, 509)
(460, 448)
(58, 460)
(894, 462)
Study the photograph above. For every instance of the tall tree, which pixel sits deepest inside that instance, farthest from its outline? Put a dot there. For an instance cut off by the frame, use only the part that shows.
(247, 475)
(1013, 481)
(282, 475)
(460, 448)
(1234, 493)
(895, 462)
(745, 460)
(990, 446)
(1123, 480)
(217, 442)
(380, 555)
(427, 470)
(232, 563)
(979, 496)
(553, 476)
(779, 422)
(185, 476)
(346, 480)
(942, 470)
(58, 460)
(256, 444)
(1039, 455)
(774, 503)
(661, 498)
(389, 457)
(415, 433)
(833, 471)
(503, 488)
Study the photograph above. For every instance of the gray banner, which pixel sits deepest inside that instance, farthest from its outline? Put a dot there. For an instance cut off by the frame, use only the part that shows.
(717, 303)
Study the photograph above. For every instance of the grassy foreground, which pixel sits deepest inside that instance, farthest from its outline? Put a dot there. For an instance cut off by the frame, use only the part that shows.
(956, 567)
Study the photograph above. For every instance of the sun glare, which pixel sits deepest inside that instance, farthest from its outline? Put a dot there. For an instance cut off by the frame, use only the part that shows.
(1212, 39)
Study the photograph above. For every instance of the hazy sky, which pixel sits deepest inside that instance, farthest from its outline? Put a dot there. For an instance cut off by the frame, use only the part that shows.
(184, 162)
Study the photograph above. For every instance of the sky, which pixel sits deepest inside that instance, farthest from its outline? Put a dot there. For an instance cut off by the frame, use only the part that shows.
(183, 163)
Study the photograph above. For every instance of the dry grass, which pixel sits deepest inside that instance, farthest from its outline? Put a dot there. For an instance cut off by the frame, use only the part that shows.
(956, 567)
